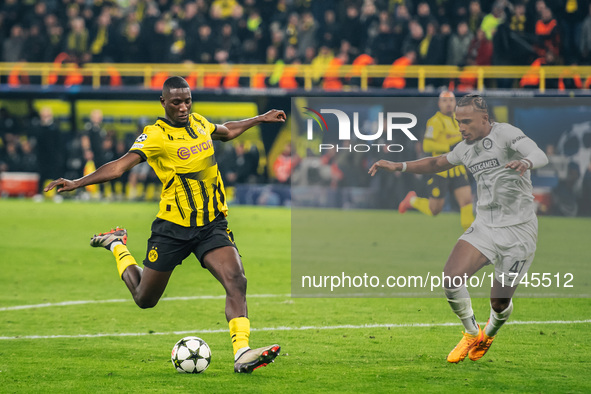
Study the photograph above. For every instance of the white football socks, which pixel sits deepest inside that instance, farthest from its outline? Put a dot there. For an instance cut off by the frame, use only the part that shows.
(115, 243)
(460, 303)
(497, 319)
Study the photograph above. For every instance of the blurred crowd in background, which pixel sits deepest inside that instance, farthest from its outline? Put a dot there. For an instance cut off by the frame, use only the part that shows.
(278, 32)
(455, 32)
(35, 144)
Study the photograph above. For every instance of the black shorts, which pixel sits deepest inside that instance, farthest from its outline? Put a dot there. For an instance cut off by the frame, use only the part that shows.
(170, 243)
(438, 185)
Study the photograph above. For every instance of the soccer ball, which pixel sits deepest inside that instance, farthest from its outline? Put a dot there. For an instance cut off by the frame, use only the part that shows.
(191, 355)
(576, 145)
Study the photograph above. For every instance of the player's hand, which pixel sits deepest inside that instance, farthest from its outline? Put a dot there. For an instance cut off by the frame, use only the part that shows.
(518, 165)
(272, 116)
(386, 165)
(64, 185)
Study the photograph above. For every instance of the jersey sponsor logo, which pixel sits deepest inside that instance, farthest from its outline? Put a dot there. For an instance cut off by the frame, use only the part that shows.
(184, 153)
(137, 146)
(142, 138)
(487, 143)
(484, 165)
(517, 139)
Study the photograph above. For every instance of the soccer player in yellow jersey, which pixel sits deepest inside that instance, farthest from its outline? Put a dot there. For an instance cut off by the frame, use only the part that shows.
(442, 133)
(192, 215)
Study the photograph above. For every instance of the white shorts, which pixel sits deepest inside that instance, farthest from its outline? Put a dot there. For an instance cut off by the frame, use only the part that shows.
(511, 249)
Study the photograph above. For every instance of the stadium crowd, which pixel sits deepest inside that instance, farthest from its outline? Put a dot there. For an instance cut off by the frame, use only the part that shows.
(455, 32)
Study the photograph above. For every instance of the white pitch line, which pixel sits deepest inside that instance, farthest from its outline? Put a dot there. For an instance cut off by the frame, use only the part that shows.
(84, 302)
(283, 328)
(219, 297)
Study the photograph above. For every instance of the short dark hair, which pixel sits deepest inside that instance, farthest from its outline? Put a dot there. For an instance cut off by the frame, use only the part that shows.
(475, 100)
(174, 83)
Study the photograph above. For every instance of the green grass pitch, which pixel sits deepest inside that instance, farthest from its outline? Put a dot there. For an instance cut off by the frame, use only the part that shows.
(45, 258)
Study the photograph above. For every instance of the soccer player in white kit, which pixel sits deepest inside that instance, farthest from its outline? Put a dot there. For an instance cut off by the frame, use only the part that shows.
(505, 231)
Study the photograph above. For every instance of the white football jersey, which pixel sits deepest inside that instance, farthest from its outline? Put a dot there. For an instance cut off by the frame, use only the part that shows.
(504, 197)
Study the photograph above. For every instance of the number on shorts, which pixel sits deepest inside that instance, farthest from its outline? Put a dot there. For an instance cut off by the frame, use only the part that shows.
(515, 270)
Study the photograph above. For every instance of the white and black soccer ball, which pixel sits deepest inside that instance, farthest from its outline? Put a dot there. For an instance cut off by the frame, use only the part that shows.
(576, 145)
(191, 355)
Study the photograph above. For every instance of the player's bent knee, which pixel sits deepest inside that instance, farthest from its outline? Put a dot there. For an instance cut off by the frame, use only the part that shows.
(233, 281)
(435, 206)
(436, 211)
(453, 280)
(500, 304)
(145, 302)
(236, 283)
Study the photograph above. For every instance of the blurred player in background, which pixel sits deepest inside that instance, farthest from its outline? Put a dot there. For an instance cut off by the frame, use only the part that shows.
(192, 215)
(441, 135)
(505, 231)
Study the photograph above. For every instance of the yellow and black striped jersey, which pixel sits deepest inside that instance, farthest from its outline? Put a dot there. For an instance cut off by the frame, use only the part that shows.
(182, 157)
(442, 133)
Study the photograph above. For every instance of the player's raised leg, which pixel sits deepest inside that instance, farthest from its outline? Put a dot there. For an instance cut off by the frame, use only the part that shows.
(147, 285)
(421, 204)
(464, 259)
(225, 265)
(463, 196)
(435, 205)
(406, 203)
(431, 206)
(501, 306)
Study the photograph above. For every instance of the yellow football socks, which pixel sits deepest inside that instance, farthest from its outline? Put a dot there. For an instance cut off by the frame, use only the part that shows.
(239, 331)
(422, 205)
(123, 257)
(466, 216)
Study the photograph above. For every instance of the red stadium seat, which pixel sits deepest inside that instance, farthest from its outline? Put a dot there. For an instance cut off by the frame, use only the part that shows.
(232, 79)
(395, 78)
(158, 80)
(17, 76)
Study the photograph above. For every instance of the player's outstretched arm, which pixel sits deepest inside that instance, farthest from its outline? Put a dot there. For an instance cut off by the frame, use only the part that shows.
(533, 157)
(427, 165)
(104, 173)
(230, 130)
